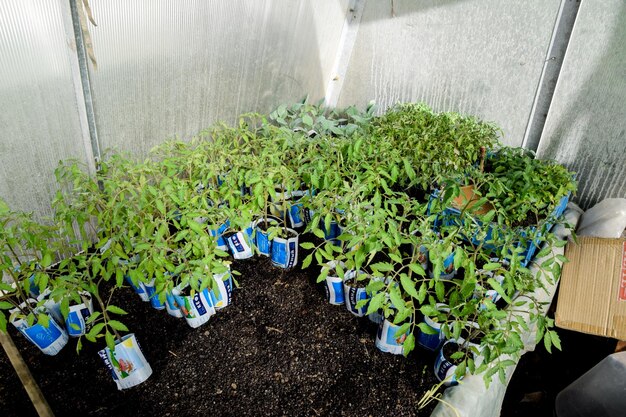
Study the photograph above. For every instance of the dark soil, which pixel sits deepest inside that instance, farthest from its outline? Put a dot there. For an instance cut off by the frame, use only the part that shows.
(280, 349)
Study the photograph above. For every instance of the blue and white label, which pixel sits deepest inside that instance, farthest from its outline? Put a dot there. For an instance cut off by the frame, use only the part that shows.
(50, 340)
(153, 296)
(285, 251)
(222, 295)
(352, 296)
(77, 317)
(140, 289)
(218, 233)
(430, 341)
(296, 215)
(444, 370)
(239, 246)
(387, 339)
(334, 291)
(263, 243)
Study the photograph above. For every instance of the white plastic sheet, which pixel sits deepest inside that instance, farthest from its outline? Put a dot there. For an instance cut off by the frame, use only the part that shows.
(607, 219)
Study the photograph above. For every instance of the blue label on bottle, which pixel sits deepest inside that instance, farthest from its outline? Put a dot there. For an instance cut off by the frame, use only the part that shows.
(262, 242)
(42, 336)
(199, 305)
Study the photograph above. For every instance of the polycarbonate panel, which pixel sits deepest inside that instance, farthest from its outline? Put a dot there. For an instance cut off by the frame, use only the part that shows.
(481, 57)
(170, 68)
(39, 122)
(586, 124)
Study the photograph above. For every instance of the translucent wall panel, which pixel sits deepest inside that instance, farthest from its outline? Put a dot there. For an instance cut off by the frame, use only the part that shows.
(39, 122)
(474, 56)
(170, 68)
(586, 124)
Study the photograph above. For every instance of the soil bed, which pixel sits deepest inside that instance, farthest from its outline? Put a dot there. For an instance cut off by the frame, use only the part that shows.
(280, 349)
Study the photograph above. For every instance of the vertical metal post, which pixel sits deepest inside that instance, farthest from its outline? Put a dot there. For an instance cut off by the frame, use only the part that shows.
(82, 85)
(550, 72)
(344, 51)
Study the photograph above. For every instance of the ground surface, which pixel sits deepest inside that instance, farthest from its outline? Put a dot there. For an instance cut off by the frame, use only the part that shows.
(280, 349)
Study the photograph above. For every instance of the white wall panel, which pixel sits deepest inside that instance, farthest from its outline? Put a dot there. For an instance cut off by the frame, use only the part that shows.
(482, 57)
(39, 122)
(170, 68)
(586, 124)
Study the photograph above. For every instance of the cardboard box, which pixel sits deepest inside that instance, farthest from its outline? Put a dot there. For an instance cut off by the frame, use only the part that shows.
(592, 297)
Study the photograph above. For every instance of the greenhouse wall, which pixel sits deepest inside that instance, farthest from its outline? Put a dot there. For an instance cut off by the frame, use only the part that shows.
(586, 126)
(167, 69)
(40, 117)
(481, 57)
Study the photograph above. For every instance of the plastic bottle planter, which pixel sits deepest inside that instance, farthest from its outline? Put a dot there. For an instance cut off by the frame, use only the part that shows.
(488, 294)
(171, 306)
(354, 294)
(333, 232)
(78, 315)
(334, 286)
(387, 339)
(448, 269)
(126, 363)
(50, 340)
(422, 257)
(285, 250)
(52, 307)
(218, 233)
(451, 216)
(376, 317)
(296, 213)
(445, 366)
(239, 244)
(196, 310)
(223, 295)
(430, 341)
(263, 243)
(140, 288)
(153, 296)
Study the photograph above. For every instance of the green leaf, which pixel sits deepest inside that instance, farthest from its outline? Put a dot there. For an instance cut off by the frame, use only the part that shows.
(5, 305)
(496, 286)
(94, 331)
(440, 290)
(116, 310)
(418, 269)
(402, 330)
(547, 341)
(382, 267)
(555, 339)
(307, 261)
(409, 344)
(459, 254)
(43, 319)
(47, 260)
(491, 266)
(396, 299)
(307, 120)
(376, 303)
(426, 329)
(110, 340)
(409, 285)
(117, 326)
(93, 317)
(307, 245)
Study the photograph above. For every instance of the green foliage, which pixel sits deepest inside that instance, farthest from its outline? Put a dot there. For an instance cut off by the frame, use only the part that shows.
(369, 178)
